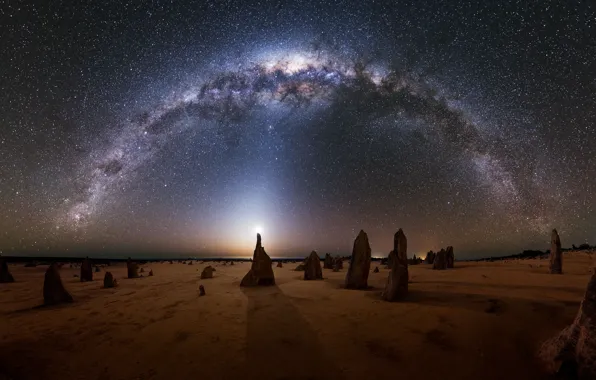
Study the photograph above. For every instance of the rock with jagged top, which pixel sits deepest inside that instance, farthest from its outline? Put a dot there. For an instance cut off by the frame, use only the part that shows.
(440, 262)
(5, 275)
(572, 353)
(86, 270)
(53, 290)
(556, 255)
(132, 268)
(430, 257)
(261, 272)
(449, 257)
(396, 287)
(312, 267)
(207, 272)
(357, 275)
(328, 262)
(109, 281)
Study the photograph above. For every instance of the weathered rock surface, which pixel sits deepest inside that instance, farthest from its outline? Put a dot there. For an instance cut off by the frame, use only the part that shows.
(449, 257)
(109, 281)
(53, 290)
(376, 270)
(440, 262)
(207, 272)
(5, 275)
(357, 275)
(396, 287)
(572, 353)
(201, 290)
(556, 255)
(328, 263)
(86, 270)
(312, 267)
(260, 272)
(430, 257)
(132, 268)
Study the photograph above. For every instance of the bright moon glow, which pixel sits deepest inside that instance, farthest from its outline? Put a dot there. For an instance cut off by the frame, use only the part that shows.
(259, 229)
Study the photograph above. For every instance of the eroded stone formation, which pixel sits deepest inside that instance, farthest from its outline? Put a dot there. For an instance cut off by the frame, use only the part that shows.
(357, 275)
(556, 255)
(5, 275)
(132, 268)
(572, 353)
(396, 287)
(430, 257)
(86, 270)
(279, 264)
(449, 257)
(53, 290)
(338, 263)
(312, 267)
(201, 290)
(207, 272)
(109, 281)
(260, 272)
(376, 270)
(328, 263)
(440, 261)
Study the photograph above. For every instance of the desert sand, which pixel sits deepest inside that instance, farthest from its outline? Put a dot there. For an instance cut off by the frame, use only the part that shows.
(481, 320)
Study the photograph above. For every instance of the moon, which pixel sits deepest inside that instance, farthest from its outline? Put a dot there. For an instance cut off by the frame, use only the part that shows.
(258, 229)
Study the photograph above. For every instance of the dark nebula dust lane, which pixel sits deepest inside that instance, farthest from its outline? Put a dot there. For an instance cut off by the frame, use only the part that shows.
(307, 128)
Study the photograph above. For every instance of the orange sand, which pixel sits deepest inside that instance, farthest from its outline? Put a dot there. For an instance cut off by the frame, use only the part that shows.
(477, 321)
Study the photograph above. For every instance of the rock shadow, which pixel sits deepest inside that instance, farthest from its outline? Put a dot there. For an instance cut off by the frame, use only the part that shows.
(280, 343)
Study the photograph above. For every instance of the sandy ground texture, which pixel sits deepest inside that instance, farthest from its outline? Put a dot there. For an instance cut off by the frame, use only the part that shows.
(477, 321)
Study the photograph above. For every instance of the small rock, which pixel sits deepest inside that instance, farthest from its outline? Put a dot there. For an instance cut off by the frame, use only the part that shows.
(207, 272)
(201, 290)
(109, 281)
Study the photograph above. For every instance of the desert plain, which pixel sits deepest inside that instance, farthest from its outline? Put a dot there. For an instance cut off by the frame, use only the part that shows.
(479, 320)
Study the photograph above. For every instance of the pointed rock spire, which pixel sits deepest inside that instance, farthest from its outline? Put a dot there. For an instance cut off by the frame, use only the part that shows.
(556, 255)
(357, 276)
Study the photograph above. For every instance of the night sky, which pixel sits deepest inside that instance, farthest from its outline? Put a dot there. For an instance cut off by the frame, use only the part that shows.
(179, 127)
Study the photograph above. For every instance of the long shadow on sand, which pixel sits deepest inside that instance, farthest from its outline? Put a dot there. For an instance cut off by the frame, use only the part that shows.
(280, 342)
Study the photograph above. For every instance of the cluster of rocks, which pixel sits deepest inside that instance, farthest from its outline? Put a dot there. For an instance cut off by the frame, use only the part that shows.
(444, 259)
(260, 272)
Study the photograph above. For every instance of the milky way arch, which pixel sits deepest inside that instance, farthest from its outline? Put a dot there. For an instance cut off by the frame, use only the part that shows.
(293, 81)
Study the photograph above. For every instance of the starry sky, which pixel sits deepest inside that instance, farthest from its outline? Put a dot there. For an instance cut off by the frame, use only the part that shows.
(174, 127)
